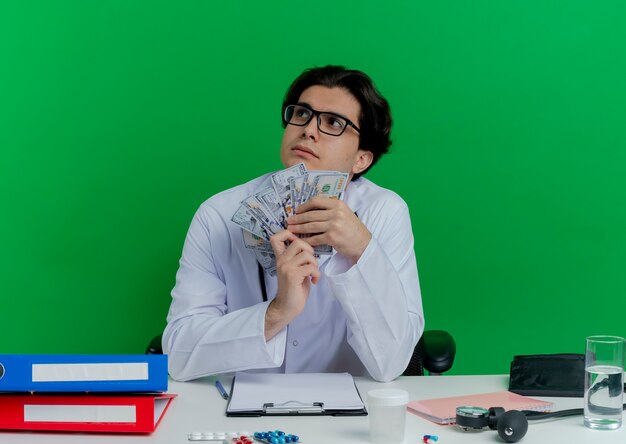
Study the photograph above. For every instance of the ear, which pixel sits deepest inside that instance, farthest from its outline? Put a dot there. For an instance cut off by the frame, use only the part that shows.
(363, 159)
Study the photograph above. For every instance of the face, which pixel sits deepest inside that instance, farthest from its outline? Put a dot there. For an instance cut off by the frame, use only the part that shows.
(320, 151)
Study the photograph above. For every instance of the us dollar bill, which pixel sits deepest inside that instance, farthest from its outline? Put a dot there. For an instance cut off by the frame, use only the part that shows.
(272, 204)
(310, 189)
(329, 185)
(280, 182)
(267, 261)
(257, 243)
(249, 222)
(295, 188)
(266, 219)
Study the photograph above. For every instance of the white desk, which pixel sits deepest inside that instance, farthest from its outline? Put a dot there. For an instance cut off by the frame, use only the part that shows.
(200, 408)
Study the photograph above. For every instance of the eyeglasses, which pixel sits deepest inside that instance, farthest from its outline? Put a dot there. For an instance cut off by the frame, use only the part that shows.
(328, 123)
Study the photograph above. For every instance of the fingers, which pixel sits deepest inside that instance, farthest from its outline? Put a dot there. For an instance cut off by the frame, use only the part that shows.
(319, 239)
(297, 264)
(306, 217)
(287, 252)
(279, 241)
(304, 269)
(309, 228)
(315, 275)
(297, 256)
(318, 203)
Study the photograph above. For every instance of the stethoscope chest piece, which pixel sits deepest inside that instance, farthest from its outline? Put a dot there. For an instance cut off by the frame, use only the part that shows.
(472, 418)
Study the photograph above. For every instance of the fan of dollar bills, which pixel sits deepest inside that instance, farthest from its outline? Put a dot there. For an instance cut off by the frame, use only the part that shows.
(265, 213)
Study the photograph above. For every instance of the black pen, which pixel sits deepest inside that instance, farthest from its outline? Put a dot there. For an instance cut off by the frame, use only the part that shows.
(220, 388)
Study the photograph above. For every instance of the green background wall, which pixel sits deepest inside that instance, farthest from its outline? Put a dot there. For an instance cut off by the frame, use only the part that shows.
(118, 118)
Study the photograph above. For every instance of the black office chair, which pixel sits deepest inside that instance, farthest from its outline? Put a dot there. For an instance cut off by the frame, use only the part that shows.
(434, 352)
(155, 347)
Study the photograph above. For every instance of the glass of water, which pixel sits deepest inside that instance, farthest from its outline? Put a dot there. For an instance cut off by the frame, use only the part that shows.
(604, 382)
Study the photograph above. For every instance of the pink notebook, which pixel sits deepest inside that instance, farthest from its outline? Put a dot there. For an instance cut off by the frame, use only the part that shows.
(443, 410)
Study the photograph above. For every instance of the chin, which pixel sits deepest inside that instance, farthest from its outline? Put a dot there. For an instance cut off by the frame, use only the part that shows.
(294, 160)
(291, 162)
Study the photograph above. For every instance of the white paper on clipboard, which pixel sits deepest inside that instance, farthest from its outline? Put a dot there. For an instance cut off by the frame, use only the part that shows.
(253, 391)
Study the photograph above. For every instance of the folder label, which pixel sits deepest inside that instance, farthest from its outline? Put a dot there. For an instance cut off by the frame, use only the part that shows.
(80, 413)
(130, 371)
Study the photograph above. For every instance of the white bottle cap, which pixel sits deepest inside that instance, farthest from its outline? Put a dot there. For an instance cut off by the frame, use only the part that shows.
(387, 397)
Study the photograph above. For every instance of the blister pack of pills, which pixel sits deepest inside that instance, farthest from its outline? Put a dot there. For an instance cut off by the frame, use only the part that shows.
(221, 437)
(276, 437)
(270, 437)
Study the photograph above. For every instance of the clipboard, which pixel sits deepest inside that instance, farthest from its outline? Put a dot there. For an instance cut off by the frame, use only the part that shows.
(294, 394)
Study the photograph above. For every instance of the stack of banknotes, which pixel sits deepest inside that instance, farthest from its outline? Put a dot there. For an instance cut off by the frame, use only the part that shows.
(265, 213)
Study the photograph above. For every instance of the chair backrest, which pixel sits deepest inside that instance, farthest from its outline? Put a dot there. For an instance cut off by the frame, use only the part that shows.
(416, 367)
(434, 352)
(155, 347)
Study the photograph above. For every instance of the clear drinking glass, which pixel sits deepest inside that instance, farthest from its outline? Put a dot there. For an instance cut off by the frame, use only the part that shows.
(604, 382)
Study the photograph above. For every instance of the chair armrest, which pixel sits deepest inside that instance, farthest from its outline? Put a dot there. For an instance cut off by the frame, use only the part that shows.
(438, 351)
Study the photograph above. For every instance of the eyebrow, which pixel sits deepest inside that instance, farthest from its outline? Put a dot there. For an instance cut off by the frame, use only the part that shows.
(327, 112)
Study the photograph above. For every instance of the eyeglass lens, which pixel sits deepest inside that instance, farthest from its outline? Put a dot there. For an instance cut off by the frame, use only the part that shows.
(328, 123)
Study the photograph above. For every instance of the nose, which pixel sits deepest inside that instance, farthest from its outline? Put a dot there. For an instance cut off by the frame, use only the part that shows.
(310, 130)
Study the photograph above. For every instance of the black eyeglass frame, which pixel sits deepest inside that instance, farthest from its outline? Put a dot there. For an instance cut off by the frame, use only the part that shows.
(319, 119)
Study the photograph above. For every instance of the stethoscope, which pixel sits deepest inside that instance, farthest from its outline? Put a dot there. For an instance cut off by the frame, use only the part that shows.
(262, 282)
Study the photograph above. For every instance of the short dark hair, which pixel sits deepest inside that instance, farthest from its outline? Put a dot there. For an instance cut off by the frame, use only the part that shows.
(375, 119)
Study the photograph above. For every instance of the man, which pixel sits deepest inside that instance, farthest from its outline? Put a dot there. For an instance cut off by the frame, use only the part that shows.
(358, 310)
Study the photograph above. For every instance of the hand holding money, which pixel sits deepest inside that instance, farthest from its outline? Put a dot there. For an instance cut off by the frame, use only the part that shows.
(265, 213)
(297, 269)
(330, 222)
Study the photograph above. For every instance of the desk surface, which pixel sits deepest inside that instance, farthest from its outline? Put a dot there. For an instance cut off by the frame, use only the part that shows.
(200, 408)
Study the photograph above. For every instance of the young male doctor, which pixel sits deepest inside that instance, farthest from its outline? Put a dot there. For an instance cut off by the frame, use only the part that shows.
(358, 310)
